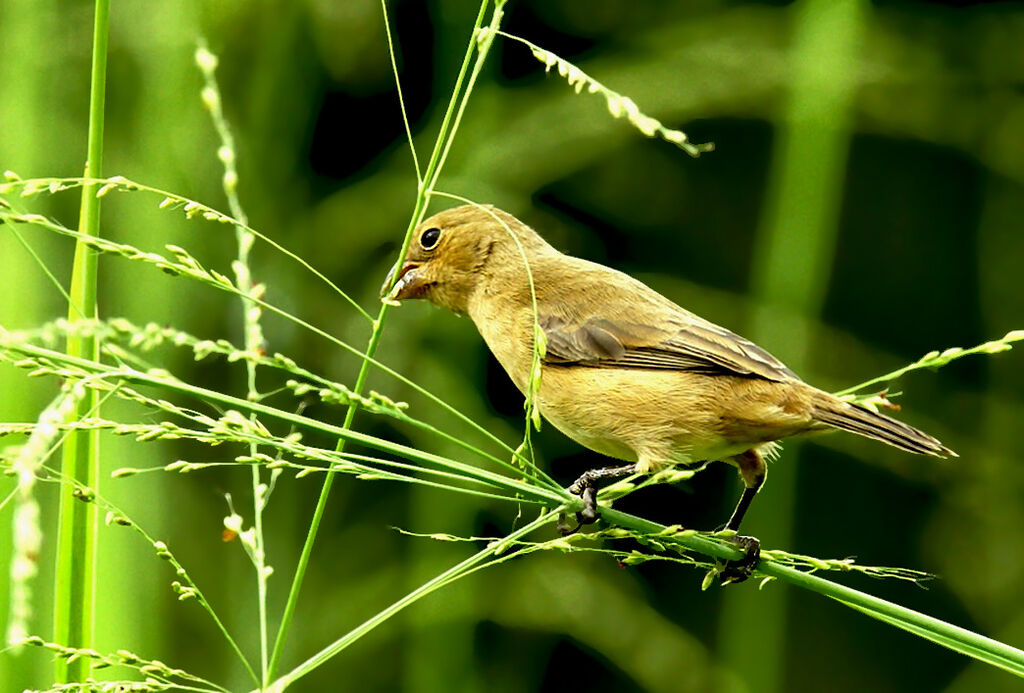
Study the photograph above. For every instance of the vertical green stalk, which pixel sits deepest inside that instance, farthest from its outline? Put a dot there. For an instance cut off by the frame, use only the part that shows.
(425, 187)
(251, 312)
(456, 572)
(794, 250)
(75, 590)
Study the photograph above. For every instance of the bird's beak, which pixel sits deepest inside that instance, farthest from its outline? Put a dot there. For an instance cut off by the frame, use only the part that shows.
(405, 281)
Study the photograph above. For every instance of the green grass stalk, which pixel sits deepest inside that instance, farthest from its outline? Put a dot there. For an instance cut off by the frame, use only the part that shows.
(447, 133)
(75, 589)
(253, 332)
(958, 639)
(456, 572)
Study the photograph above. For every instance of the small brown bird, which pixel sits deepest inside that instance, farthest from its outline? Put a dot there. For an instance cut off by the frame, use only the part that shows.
(626, 372)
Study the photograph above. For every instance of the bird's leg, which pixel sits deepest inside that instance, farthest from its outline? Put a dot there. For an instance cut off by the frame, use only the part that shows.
(586, 488)
(753, 471)
(741, 508)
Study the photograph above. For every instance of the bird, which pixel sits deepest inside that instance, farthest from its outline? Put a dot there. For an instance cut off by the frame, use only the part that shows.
(624, 371)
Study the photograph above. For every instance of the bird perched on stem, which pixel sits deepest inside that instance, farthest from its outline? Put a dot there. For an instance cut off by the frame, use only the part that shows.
(624, 371)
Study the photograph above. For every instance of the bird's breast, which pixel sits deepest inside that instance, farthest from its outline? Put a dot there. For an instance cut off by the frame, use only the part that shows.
(508, 333)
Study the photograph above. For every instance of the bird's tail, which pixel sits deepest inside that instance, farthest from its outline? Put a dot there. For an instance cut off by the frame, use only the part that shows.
(836, 413)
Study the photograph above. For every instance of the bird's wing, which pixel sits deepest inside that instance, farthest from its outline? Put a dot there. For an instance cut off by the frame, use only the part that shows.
(676, 340)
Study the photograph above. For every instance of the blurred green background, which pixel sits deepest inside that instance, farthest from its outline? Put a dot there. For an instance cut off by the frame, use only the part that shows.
(863, 206)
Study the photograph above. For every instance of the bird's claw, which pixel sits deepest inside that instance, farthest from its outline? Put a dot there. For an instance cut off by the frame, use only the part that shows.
(738, 571)
(587, 515)
(564, 528)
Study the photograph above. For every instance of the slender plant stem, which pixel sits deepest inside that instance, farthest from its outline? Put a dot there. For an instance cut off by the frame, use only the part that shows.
(940, 632)
(401, 98)
(946, 634)
(45, 270)
(253, 333)
(457, 571)
(482, 41)
(75, 589)
(419, 209)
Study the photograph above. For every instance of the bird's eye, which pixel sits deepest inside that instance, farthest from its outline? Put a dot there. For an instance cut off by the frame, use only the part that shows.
(429, 238)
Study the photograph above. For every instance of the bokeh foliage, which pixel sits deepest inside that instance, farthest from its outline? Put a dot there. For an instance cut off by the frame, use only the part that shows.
(926, 253)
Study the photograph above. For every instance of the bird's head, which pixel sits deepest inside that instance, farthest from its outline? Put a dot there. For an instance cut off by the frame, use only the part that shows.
(451, 253)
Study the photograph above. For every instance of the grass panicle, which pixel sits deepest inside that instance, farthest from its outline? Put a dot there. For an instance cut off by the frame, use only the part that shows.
(619, 106)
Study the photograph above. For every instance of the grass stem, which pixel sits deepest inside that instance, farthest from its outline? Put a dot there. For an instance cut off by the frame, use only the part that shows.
(75, 589)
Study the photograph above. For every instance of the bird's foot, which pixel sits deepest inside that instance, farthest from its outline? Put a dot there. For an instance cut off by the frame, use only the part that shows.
(586, 488)
(588, 514)
(738, 571)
